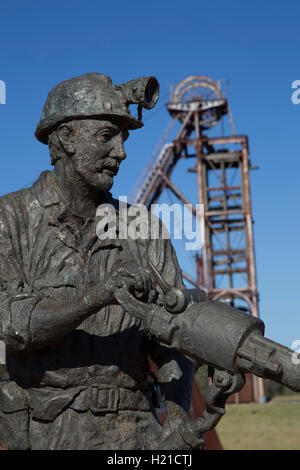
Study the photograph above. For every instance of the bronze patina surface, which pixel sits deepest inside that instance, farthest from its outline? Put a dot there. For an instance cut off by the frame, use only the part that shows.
(77, 362)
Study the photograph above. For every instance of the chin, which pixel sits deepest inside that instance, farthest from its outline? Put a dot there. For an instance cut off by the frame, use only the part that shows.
(102, 183)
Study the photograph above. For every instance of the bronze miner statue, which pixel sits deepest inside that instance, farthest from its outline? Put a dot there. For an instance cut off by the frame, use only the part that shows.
(81, 315)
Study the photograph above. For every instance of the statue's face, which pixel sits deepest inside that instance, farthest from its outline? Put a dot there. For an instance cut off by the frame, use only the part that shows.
(99, 150)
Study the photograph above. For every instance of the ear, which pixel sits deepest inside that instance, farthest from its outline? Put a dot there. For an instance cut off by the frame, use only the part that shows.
(65, 136)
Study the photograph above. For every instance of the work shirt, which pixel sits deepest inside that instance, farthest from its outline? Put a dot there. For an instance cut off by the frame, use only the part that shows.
(46, 251)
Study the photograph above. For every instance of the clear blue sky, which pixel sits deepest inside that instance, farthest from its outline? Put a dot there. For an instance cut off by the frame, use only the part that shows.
(254, 44)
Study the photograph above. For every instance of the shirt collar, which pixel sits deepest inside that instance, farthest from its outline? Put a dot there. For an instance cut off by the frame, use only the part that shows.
(46, 191)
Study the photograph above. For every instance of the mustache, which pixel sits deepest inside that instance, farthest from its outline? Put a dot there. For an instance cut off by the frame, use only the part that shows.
(108, 164)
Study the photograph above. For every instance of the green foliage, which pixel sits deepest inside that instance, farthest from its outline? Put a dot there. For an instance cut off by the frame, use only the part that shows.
(273, 389)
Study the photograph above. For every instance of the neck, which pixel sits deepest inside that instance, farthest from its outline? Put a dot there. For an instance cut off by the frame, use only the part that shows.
(78, 196)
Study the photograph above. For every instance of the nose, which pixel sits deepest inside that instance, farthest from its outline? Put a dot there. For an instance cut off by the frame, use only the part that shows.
(118, 150)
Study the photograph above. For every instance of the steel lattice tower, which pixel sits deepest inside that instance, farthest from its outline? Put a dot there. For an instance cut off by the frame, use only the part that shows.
(225, 266)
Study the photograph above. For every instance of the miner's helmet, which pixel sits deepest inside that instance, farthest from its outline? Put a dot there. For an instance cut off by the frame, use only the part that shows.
(94, 96)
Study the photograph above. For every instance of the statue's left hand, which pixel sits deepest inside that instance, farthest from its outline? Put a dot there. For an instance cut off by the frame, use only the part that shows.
(132, 277)
(177, 431)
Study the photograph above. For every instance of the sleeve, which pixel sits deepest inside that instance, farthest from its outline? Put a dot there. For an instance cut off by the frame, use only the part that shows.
(16, 300)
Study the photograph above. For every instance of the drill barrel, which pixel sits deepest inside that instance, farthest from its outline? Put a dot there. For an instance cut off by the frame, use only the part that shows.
(270, 360)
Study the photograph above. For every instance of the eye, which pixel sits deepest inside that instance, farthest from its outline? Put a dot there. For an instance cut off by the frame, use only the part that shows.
(105, 135)
(125, 135)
